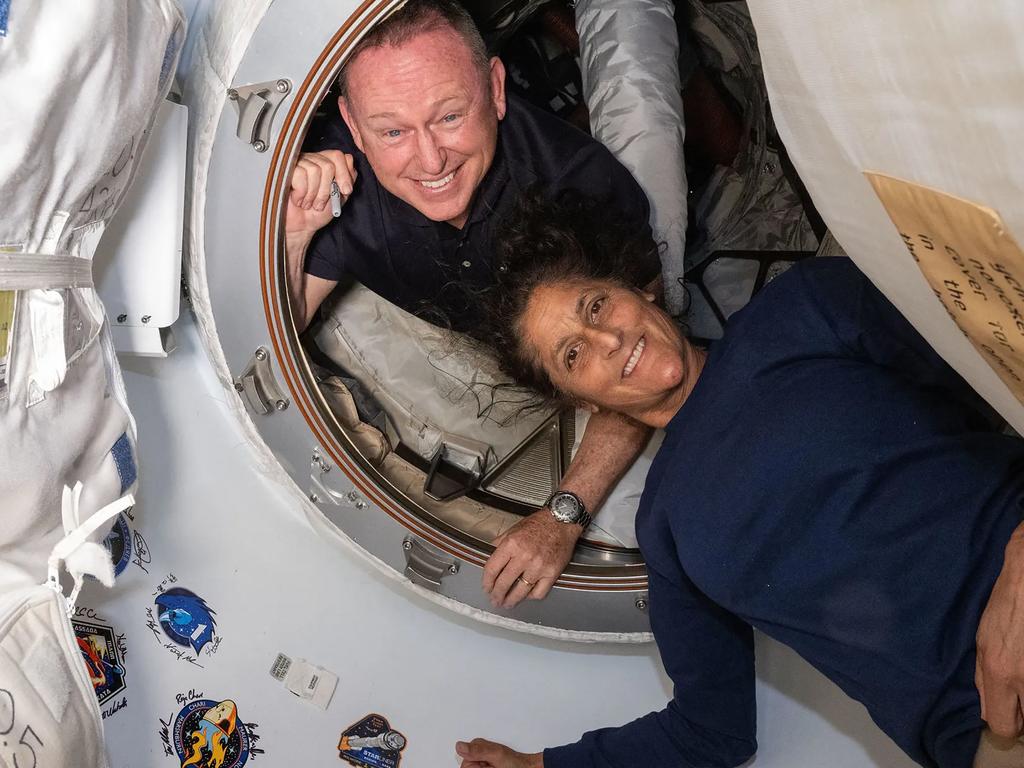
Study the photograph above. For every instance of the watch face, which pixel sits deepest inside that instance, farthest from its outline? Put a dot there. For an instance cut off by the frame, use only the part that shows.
(565, 508)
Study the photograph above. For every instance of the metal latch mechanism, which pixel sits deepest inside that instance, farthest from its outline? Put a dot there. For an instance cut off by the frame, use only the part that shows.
(456, 467)
(258, 386)
(426, 565)
(257, 104)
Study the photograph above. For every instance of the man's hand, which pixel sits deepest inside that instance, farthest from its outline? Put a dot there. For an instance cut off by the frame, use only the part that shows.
(309, 209)
(309, 199)
(999, 672)
(480, 753)
(528, 558)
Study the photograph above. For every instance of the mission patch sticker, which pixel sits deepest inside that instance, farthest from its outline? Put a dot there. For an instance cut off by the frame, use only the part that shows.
(371, 743)
(184, 618)
(208, 733)
(103, 653)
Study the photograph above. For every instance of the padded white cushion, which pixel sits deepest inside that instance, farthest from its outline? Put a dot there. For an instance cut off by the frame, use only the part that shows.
(930, 93)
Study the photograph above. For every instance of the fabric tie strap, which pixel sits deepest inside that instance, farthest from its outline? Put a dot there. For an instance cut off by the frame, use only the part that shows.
(25, 271)
(78, 538)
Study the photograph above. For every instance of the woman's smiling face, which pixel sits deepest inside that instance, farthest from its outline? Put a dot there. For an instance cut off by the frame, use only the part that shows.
(608, 346)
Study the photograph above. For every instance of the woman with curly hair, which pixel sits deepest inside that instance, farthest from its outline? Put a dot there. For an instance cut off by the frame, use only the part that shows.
(825, 478)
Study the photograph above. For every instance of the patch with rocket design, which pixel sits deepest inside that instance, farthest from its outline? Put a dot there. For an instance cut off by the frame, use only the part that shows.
(371, 743)
(103, 657)
(207, 733)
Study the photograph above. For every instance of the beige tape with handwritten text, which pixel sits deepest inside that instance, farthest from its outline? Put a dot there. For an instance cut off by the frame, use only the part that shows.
(971, 262)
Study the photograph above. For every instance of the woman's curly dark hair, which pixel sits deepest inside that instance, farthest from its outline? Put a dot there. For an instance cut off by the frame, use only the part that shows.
(568, 238)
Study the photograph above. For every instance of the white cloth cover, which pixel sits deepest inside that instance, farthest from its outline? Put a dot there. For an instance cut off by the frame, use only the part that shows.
(81, 83)
(629, 60)
(46, 698)
(421, 377)
(931, 95)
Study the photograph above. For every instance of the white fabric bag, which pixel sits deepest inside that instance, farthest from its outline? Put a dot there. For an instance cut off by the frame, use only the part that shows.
(48, 710)
(81, 84)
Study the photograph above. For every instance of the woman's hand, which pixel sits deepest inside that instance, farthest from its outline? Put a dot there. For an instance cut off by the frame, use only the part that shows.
(999, 670)
(528, 558)
(480, 753)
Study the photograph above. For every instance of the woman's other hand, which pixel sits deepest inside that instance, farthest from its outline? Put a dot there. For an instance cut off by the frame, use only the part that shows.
(999, 671)
(480, 753)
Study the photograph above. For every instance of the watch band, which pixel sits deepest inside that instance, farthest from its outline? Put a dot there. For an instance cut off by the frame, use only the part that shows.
(582, 517)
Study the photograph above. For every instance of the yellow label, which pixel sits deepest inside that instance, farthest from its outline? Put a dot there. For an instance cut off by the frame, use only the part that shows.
(972, 263)
(7, 302)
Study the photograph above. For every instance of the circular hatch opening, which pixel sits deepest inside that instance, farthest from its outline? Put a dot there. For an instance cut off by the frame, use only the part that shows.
(442, 439)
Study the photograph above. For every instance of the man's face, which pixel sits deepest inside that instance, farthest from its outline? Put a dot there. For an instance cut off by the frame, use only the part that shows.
(427, 119)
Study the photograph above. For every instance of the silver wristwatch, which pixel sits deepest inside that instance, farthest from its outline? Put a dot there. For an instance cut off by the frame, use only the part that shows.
(566, 507)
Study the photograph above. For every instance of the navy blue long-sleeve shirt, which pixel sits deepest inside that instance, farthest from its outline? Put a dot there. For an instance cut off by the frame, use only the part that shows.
(832, 482)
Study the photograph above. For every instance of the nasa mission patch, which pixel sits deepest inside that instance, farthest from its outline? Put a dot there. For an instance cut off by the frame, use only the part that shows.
(103, 655)
(119, 544)
(371, 743)
(126, 544)
(208, 733)
(182, 622)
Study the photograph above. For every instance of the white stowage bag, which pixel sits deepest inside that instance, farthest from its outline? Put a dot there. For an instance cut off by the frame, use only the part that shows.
(932, 93)
(424, 381)
(81, 83)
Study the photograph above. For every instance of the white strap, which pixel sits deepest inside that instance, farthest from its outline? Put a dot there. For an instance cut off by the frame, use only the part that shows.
(79, 536)
(23, 271)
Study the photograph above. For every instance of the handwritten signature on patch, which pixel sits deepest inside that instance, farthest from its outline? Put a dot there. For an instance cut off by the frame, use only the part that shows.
(143, 556)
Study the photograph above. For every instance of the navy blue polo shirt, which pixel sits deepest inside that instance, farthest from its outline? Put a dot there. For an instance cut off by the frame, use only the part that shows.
(832, 482)
(426, 267)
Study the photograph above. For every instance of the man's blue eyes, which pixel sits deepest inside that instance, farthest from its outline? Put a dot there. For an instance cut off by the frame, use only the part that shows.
(394, 133)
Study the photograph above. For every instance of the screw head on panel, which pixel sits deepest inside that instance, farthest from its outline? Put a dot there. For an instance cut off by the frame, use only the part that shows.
(641, 604)
(281, 405)
(259, 145)
(261, 354)
(283, 86)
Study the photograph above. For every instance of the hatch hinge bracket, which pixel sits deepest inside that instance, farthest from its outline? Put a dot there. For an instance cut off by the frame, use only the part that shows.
(426, 565)
(456, 468)
(256, 105)
(258, 387)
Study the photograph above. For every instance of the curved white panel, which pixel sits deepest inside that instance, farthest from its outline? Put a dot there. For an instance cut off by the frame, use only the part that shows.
(238, 293)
